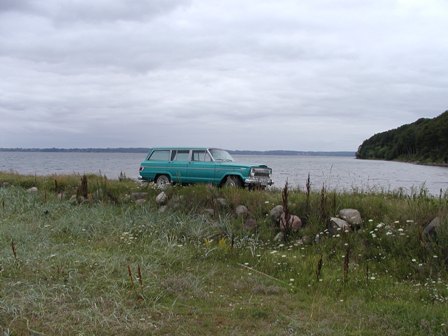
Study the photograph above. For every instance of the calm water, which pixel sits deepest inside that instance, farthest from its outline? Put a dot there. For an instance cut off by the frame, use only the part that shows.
(340, 173)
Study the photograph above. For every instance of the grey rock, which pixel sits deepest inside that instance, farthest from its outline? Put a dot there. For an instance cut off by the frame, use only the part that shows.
(279, 237)
(276, 213)
(294, 223)
(138, 195)
(241, 210)
(250, 224)
(161, 198)
(351, 216)
(337, 225)
(32, 190)
(430, 231)
(221, 201)
(210, 212)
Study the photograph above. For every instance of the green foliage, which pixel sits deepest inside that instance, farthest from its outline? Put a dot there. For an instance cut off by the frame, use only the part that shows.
(425, 141)
(111, 266)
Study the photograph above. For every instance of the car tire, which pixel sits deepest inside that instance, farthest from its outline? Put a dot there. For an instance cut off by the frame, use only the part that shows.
(162, 181)
(233, 182)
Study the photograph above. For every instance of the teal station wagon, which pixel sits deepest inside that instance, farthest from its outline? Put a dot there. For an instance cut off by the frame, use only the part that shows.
(201, 165)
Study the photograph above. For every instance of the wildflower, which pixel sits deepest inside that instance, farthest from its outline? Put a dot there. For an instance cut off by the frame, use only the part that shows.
(380, 225)
(400, 230)
(291, 280)
(372, 278)
(338, 235)
(409, 221)
(284, 256)
(266, 202)
(246, 264)
(273, 252)
(396, 222)
(370, 220)
(434, 256)
(373, 235)
(413, 260)
(420, 265)
(388, 233)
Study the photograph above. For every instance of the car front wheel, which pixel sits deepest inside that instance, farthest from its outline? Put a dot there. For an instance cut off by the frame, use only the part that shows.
(233, 182)
(162, 181)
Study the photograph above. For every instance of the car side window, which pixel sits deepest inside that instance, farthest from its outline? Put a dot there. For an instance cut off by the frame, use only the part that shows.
(160, 155)
(201, 155)
(181, 155)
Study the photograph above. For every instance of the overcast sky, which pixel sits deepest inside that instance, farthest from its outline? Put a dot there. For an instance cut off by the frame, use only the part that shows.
(253, 74)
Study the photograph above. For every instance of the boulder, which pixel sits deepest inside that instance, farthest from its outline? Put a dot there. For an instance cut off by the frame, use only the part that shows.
(430, 231)
(209, 212)
(32, 190)
(241, 210)
(221, 201)
(351, 216)
(138, 195)
(250, 224)
(294, 224)
(337, 224)
(279, 237)
(161, 198)
(276, 213)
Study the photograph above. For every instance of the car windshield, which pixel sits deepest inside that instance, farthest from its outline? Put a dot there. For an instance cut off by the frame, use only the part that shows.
(221, 155)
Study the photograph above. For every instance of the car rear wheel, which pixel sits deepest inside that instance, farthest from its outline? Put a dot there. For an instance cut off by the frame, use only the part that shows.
(162, 181)
(233, 182)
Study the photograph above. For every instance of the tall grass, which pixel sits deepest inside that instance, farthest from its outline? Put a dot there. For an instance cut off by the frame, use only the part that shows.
(108, 265)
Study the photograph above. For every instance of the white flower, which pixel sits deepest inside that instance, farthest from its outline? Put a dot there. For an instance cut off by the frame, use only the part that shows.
(400, 230)
(413, 260)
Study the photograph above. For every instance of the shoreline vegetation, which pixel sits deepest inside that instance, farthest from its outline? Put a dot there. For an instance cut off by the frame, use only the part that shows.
(89, 255)
(424, 141)
(145, 150)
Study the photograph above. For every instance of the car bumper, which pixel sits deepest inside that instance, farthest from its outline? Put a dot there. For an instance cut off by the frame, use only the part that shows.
(252, 181)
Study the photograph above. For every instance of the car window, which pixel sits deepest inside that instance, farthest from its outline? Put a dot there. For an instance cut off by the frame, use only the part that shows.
(201, 155)
(181, 155)
(160, 155)
(221, 155)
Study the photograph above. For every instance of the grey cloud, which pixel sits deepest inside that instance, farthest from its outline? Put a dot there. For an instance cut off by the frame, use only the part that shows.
(319, 75)
(94, 12)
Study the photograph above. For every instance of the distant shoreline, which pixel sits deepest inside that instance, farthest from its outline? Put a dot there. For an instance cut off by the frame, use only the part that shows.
(145, 150)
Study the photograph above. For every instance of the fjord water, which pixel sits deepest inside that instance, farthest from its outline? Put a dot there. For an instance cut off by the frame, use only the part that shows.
(333, 172)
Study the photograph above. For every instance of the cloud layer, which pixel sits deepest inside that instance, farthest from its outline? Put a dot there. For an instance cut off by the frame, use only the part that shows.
(308, 75)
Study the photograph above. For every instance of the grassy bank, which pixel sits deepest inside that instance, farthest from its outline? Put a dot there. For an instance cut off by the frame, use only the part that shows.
(105, 264)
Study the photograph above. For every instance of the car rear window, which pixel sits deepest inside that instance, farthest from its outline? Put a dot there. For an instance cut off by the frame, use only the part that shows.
(160, 155)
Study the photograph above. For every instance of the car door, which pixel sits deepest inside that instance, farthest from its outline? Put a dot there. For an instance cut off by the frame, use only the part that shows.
(178, 165)
(201, 168)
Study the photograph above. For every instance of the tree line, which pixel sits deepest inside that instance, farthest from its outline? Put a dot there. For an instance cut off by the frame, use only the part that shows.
(423, 141)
